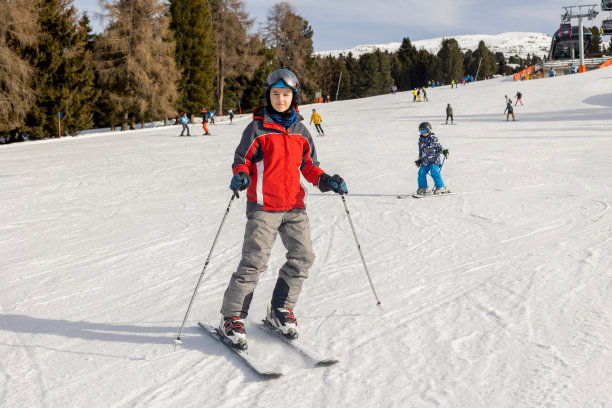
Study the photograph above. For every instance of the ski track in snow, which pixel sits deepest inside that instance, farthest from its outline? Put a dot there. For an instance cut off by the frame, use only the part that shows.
(498, 296)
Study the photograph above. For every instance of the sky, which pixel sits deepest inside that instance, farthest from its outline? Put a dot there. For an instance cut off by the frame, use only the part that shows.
(343, 24)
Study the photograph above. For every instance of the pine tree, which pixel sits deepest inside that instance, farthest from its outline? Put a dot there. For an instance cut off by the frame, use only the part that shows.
(384, 67)
(327, 73)
(254, 92)
(134, 60)
(62, 67)
(451, 61)
(195, 53)
(595, 44)
(482, 63)
(406, 56)
(349, 89)
(370, 80)
(18, 31)
(79, 95)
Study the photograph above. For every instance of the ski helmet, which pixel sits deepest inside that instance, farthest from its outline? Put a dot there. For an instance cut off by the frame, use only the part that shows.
(282, 78)
(425, 125)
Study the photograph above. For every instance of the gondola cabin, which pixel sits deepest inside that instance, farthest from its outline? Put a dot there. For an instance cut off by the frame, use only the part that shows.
(606, 27)
(563, 47)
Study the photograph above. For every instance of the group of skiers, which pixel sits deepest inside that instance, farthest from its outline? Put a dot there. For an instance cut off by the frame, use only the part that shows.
(207, 116)
(416, 94)
(509, 108)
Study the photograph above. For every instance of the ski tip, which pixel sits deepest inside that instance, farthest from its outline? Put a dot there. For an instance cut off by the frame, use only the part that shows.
(270, 375)
(327, 362)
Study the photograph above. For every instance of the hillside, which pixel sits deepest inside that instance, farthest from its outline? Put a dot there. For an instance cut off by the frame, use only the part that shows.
(510, 44)
(498, 296)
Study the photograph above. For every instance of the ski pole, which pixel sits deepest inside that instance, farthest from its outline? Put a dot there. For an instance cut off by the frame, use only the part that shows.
(443, 160)
(378, 302)
(178, 338)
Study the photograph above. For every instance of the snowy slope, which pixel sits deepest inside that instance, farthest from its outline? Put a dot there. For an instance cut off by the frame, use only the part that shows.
(499, 296)
(510, 44)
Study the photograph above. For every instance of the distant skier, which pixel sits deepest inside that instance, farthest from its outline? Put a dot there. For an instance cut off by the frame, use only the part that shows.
(518, 98)
(231, 116)
(316, 118)
(418, 94)
(425, 95)
(275, 152)
(414, 95)
(510, 110)
(393, 90)
(429, 161)
(211, 116)
(453, 84)
(205, 121)
(184, 122)
(449, 113)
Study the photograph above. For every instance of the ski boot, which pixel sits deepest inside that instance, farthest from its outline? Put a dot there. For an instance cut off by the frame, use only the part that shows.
(232, 330)
(423, 191)
(441, 190)
(283, 321)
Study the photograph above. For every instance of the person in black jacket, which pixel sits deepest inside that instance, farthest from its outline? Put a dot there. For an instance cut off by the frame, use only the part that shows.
(518, 97)
(449, 113)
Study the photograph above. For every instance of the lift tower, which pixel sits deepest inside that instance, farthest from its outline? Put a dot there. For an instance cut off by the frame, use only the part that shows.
(591, 13)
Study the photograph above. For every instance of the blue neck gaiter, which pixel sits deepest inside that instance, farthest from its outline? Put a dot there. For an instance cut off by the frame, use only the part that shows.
(286, 119)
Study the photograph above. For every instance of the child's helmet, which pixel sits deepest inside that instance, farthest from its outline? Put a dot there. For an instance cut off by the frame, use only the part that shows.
(282, 78)
(425, 125)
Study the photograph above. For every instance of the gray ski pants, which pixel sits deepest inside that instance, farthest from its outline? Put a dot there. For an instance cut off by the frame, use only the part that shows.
(259, 237)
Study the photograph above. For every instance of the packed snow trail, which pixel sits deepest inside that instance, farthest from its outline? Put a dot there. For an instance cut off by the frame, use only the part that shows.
(498, 296)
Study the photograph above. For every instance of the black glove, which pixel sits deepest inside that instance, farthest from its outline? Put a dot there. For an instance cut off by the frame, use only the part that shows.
(445, 153)
(418, 163)
(240, 181)
(333, 183)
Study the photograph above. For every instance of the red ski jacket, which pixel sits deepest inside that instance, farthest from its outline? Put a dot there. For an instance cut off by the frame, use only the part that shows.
(274, 157)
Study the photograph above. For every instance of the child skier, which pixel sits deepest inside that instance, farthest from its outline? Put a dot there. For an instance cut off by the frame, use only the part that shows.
(449, 113)
(429, 161)
(509, 109)
(276, 149)
(231, 116)
(316, 118)
(184, 122)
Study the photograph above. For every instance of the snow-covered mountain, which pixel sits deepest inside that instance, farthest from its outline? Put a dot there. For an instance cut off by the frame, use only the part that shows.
(510, 44)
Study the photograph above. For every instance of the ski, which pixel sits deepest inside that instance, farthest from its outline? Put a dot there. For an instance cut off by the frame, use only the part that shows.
(253, 363)
(312, 355)
(430, 195)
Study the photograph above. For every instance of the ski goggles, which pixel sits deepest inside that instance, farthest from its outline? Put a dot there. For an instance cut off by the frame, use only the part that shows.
(282, 76)
(424, 131)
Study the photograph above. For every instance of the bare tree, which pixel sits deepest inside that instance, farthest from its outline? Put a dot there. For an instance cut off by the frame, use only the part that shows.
(291, 37)
(18, 29)
(135, 62)
(236, 54)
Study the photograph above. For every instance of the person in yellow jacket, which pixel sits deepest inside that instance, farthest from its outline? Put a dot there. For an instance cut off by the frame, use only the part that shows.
(414, 94)
(316, 118)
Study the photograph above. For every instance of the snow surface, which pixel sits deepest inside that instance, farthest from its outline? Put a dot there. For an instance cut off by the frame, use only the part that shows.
(498, 296)
(518, 43)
